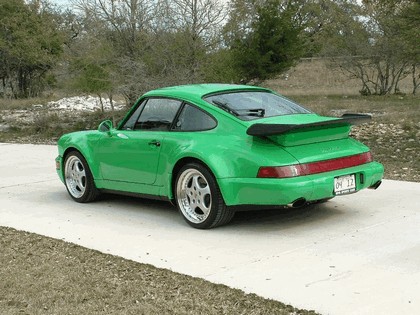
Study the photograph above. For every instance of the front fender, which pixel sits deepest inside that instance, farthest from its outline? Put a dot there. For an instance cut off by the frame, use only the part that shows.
(84, 142)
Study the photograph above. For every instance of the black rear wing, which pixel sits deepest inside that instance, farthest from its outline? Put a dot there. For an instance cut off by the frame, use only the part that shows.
(277, 129)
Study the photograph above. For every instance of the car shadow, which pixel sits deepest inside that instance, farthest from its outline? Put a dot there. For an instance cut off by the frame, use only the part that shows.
(137, 204)
(264, 220)
(286, 218)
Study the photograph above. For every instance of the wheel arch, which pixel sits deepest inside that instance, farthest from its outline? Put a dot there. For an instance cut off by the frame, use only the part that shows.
(88, 189)
(83, 142)
(86, 156)
(177, 167)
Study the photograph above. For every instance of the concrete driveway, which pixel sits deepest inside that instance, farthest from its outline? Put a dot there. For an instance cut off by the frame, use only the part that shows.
(357, 254)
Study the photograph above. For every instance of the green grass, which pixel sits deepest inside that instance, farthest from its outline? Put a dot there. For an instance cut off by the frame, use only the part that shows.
(40, 275)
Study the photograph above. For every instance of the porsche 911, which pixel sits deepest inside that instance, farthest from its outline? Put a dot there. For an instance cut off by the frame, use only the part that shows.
(214, 149)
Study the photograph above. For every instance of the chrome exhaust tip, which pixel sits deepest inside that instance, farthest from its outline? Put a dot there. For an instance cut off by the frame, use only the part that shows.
(300, 202)
(376, 185)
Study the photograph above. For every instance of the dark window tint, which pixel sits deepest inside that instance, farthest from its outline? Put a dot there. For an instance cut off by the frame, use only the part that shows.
(194, 119)
(249, 105)
(158, 114)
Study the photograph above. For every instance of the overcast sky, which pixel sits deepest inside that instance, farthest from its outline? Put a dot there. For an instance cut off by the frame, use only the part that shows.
(62, 3)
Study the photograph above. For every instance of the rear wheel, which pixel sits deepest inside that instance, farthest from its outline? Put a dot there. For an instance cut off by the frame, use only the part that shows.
(78, 178)
(198, 198)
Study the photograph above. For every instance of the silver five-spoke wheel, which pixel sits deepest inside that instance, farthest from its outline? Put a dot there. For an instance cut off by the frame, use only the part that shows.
(75, 175)
(199, 199)
(78, 178)
(194, 196)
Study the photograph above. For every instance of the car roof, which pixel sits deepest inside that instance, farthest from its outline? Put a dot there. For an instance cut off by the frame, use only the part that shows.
(199, 90)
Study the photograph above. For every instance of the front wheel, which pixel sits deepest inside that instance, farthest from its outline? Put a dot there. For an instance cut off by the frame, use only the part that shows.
(199, 199)
(78, 178)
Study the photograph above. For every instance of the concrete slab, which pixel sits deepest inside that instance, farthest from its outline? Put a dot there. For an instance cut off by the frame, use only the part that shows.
(357, 254)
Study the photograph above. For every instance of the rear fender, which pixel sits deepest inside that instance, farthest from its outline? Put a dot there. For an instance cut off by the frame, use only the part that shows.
(236, 161)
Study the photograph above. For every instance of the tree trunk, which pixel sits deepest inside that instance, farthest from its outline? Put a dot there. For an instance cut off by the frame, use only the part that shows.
(111, 102)
(416, 80)
(101, 102)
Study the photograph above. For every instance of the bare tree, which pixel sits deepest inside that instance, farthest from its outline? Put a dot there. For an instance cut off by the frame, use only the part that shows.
(366, 42)
(155, 42)
(200, 23)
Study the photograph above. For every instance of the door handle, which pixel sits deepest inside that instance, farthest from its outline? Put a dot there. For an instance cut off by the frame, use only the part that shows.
(122, 136)
(155, 143)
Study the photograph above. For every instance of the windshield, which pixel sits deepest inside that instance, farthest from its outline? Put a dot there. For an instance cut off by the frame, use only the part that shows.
(248, 105)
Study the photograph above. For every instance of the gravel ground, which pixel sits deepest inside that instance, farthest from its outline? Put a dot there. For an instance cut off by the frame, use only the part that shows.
(394, 145)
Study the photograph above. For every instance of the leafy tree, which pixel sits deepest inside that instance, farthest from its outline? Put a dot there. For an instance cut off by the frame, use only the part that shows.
(220, 67)
(30, 45)
(93, 78)
(267, 45)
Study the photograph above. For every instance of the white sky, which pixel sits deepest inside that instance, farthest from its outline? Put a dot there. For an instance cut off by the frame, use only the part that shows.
(62, 3)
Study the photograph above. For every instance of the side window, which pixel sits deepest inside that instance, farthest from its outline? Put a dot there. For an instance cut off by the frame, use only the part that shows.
(158, 114)
(194, 119)
(129, 124)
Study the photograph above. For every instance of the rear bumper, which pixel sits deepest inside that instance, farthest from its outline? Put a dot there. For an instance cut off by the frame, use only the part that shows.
(274, 191)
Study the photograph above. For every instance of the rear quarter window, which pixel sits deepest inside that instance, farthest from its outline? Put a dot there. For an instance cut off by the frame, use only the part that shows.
(192, 118)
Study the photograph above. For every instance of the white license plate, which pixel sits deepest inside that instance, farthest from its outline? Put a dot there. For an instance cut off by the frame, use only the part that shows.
(345, 184)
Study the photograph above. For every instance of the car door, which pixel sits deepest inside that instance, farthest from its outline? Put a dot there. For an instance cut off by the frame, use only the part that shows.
(131, 153)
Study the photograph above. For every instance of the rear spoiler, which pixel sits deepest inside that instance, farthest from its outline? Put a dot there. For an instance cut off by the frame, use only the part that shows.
(277, 129)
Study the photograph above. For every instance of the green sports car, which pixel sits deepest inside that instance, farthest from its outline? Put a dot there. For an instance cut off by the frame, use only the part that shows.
(213, 149)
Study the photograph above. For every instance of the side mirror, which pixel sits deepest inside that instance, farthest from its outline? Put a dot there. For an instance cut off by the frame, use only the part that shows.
(105, 126)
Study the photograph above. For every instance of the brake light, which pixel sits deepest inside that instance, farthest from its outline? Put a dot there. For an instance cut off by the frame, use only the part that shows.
(314, 167)
(280, 171)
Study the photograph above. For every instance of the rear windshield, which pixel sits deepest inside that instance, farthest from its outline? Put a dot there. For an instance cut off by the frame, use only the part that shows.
(248, 105)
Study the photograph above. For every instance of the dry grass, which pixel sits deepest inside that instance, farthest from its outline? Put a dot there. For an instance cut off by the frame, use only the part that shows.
(318, 77)
(39, 125)
(16, 104)
(40, 275)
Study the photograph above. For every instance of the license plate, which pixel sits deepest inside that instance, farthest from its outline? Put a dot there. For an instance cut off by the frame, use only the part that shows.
(345, 184)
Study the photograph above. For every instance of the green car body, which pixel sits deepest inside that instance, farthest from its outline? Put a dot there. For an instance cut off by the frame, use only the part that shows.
(147, 162)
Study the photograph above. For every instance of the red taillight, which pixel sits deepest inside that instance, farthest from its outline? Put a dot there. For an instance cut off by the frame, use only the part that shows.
(314, 167)
(280, 171)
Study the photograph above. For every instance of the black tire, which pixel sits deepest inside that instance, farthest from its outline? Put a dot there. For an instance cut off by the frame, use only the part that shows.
(78, 178)
(199, 199)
